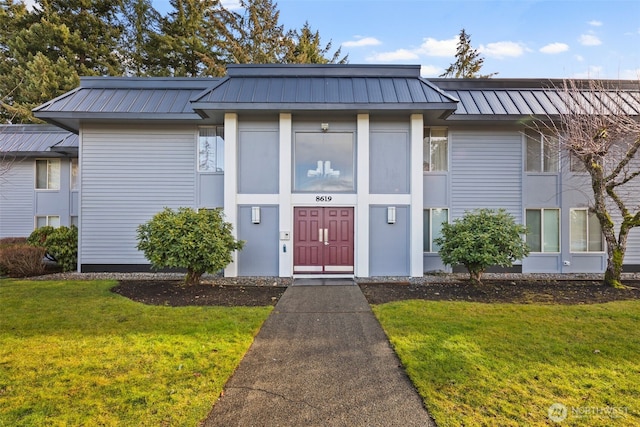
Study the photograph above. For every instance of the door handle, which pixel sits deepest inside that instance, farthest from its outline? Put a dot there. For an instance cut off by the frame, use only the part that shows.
(326, 236)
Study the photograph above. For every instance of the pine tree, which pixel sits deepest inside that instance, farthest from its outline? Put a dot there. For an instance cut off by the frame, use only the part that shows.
(468, 60)
(141, 24)
(305, 48)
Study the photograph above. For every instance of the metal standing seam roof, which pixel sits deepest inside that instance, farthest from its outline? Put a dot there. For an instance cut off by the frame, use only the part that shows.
(494, 97)
(35, 139)
(324, 88)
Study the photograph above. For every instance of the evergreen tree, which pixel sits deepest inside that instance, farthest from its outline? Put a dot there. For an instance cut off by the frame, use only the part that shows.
(468, 60)
(141, 25)
(305, 48)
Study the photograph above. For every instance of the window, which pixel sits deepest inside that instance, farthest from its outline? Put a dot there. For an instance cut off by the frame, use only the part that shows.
(585, 232)
(543, 230)
(74, 174)
(432, 227)
(51, 220)
(435, 149)
(542, 152)
(324, 162)
(48, 174)
(211, 149)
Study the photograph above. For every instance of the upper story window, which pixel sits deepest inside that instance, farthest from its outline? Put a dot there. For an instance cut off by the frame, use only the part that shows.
(585, 232)
(324, 162)
(211, 149)
(435, 149)
(48, 174)
(543, 230)
(74, 174)
(542, 152)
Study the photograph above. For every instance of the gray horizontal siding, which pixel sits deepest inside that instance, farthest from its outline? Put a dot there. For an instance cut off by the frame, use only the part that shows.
(17, 199)
(486, 171)
(128, 175)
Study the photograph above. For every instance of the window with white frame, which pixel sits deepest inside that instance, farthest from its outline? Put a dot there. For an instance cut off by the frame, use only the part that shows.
(543, 230)
(432, 227)
(48, 174)
(74, 174)
(211, 149)
(542, 152)
(435, 149)
(585, 232)
(50, 220)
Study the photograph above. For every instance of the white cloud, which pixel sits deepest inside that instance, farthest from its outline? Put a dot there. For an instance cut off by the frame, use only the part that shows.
(502, 49)
(430, 71)
(593, 72)
(231, 4)
(630, 74)
(589, 40)
(553, 48)
(579, 58)
(362, 41)
(595, 23)
(433, 47)
(396, 55)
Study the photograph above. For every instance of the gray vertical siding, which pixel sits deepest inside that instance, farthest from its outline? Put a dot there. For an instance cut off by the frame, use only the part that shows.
(17, 199)
(486, 171)
(389, 171)
(260, 255)
(389, 252)
(258, 161)
(128, 175)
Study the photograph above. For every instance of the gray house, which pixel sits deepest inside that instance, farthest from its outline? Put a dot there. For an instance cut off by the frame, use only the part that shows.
(38, 178)
(325, 169)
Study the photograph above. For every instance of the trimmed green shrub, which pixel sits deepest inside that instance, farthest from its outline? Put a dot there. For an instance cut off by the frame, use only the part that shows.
(21, 260)
(199, 241)
(480, 239)
(60, 244)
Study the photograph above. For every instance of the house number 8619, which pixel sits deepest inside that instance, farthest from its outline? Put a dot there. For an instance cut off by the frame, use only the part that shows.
(323, 198)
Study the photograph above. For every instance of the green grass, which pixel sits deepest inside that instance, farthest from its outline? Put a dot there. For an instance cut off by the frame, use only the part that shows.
(73, 353)
(505, 364)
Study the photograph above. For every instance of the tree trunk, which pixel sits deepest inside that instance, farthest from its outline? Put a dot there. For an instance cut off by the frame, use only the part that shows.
(192, 277)
(475, 275)
(615, 259)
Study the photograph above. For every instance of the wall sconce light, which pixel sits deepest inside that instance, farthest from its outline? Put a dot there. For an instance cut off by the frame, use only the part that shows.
(255, 214)
(391, 215)
(324, 127)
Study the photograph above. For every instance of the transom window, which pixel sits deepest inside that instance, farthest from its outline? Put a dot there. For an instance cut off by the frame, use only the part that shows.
(211, 149)
(435, 149)
(48, 174)
(324, 162)
(585, 231)
(432, 227)
(542, 152)
(543, 230)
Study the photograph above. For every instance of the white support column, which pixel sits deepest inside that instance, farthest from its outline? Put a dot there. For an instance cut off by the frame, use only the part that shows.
(362, 208)
(231, 182)
(285, 247)
(416, 254)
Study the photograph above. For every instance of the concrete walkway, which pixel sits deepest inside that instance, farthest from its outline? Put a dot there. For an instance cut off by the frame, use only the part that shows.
(320, 359)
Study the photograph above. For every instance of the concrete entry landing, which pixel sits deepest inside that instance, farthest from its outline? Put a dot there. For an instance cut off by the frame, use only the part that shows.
(320, 359)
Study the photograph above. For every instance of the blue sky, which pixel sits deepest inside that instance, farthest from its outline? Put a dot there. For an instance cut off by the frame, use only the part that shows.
(517, 38)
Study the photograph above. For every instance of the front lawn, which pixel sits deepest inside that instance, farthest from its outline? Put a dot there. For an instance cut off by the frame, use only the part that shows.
(506, 364)
(73, 353)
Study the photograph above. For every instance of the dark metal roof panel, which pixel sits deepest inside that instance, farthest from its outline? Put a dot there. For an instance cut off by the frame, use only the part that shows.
(34, 139)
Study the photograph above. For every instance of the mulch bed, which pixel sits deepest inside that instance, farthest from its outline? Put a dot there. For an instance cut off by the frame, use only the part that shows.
(174, 293)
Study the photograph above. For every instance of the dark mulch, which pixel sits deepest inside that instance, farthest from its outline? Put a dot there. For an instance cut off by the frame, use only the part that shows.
(174, 293)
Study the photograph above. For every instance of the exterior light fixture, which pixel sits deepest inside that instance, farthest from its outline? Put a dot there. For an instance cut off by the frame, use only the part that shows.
(324, 127)
(255, 214)
(391, 215)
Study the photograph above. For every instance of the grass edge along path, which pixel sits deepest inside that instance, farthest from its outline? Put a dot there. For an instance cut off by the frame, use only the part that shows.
(480, 364)
(73, 353)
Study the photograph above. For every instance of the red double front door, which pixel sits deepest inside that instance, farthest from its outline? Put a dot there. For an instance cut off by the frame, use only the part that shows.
(323, 240)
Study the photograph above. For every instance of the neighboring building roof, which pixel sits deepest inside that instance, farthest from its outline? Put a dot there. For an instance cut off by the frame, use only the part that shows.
(516, 98)
(327, 87)
(125, 98)
(37, 140)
